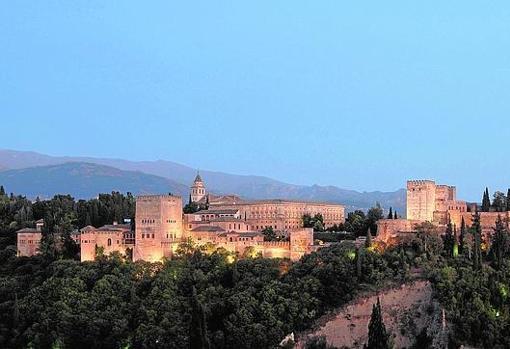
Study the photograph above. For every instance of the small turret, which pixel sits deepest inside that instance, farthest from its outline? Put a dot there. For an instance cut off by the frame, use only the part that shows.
(198, 191)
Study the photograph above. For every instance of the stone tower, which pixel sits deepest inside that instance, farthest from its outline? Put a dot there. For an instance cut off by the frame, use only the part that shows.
(197, 189)
(421, 200)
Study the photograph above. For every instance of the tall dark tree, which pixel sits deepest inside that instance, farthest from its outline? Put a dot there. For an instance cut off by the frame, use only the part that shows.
(499, 202)
(2, 190)
(395, 216)
(476, 230)
(500, 243)
(198, 326)
(368, 241)
(448, 240)
(373, 215)
(269, 234)
(455, 251)
(359, 262)
(462, 237)
(486, 201)
(390, 214)
(378, 337)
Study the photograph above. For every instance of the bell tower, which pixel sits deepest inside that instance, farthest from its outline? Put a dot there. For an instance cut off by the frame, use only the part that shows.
(197, 189)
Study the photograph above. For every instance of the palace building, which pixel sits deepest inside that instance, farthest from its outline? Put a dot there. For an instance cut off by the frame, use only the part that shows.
(228, 222)
(437, 204)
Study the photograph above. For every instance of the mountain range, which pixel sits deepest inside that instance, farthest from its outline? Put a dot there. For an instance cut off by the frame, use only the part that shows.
(34, 174)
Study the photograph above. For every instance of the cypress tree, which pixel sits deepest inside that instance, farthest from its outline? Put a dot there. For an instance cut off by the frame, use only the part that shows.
(448, 239)
(2, 190)
(462, 238)
(377, 335)
(189, 201)
(88, 221)
(486, 201)
(15, 311)
(499, 246)
(395, 216)
(359, 263)
(198, 326)
(476, 230)
(455, 242)
(390, 214)
(368, 241)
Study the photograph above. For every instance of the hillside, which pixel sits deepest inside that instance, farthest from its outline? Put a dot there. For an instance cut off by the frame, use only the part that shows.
(252, 187)
(84, 180)
(406, 313)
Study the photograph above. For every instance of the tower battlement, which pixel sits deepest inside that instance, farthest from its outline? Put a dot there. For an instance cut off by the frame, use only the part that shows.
(420, 182)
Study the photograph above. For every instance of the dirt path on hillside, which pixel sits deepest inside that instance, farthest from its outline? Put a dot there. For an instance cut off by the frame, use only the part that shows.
(406, 311)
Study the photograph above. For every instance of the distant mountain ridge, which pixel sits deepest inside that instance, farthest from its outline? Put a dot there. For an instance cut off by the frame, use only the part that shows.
(179, 177)
(83, 181)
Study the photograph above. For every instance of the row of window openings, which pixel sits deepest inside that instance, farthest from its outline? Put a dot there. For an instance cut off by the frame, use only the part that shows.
(28, 241)
(168, 236)
(152, 221)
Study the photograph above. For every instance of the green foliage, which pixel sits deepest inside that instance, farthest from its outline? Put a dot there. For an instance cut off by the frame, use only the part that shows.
(359, 223)
(486, 201)
(316, 222)
(356, 223)
(368, 241)
(500, 246)
(390, 214)
(318, 343)
(462, 237)
(476, 230)
(269, 234)
(333, 236)
(373, 215)
(111, 303)
(499, 202)
(198, 326)
(449, 240)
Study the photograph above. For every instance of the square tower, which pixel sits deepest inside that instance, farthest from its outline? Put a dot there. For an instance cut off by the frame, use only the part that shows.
(421, 200)
(158, 226)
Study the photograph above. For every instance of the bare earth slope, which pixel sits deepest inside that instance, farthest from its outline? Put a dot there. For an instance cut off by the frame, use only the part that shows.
(406, 311)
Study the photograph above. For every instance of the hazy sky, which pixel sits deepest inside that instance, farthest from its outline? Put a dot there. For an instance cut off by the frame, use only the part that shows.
(362, 95)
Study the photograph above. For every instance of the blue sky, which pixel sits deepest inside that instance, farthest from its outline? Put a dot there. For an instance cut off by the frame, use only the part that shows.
(361, 95)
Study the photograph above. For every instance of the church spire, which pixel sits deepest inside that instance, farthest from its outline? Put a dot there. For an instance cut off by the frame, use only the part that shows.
(198, 178)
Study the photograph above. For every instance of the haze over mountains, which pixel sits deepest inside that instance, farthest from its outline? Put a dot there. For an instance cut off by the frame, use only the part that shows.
(33, 174)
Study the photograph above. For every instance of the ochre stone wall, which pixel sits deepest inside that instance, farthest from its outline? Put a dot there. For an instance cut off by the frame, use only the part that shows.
(111, 238)
(284, 215)
(28, 243)
(158, 225)
(421, 200)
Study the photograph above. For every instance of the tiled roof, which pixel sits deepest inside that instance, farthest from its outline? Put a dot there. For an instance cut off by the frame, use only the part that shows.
(218, 211)
(115, 227)
(208, 228)
(28, 230)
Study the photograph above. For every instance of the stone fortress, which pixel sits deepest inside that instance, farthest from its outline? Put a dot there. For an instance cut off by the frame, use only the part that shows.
(430, 202)
(228, 222)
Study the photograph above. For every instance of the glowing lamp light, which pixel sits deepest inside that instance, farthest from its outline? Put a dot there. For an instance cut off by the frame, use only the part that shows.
(503, 291)
(351, 255)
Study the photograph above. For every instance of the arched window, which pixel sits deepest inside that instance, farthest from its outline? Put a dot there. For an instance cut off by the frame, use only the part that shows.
(109, 242)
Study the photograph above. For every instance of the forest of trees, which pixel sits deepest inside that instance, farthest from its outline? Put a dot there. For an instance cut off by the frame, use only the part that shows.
(210, 298)
(206, 298)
